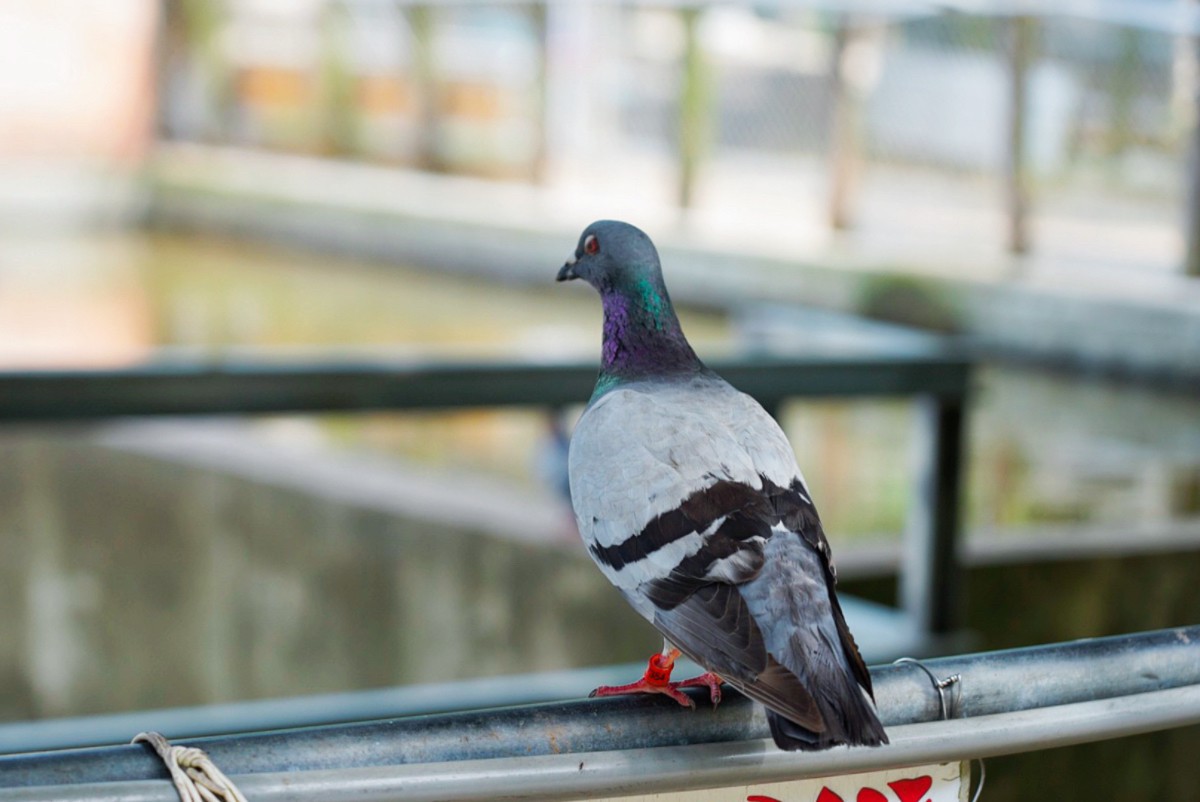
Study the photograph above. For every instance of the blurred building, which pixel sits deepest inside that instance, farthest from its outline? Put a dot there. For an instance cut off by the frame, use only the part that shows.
(76, 104)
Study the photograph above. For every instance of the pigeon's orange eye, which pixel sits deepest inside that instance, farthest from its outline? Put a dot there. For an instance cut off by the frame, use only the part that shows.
(591, 245)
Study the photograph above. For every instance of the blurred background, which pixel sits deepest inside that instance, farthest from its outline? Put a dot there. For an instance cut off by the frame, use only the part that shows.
(208, 179)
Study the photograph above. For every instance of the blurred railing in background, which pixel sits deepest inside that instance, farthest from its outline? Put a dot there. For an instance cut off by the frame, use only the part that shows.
(195, 542)
(989, 117)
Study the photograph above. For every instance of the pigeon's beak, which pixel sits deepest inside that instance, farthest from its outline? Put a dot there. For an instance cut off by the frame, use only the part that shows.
(568, 271)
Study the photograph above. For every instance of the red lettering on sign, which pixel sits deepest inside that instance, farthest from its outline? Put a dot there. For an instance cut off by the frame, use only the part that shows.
(908, 790)
(912, 790)
(870, 795)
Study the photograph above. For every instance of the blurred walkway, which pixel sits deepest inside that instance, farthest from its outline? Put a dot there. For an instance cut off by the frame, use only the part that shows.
(1102, 284)
(907, 221)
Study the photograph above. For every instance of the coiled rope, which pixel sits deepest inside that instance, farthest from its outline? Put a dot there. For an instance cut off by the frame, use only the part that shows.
(196, 777)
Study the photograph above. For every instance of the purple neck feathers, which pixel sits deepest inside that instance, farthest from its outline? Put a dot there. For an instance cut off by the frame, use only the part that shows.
(642, 337)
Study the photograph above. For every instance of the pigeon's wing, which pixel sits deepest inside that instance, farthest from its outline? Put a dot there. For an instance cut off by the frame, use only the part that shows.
(715, 627)
(758, 433)
(799, 518)
(777, 634)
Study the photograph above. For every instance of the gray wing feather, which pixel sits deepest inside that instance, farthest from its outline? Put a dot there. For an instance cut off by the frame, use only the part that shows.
(715, 628)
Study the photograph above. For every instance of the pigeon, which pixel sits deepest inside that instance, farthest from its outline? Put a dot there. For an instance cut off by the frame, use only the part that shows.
(688, 497)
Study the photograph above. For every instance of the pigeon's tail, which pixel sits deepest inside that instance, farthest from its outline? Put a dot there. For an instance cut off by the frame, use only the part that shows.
(814, 663)
(850, 719)
(842, 697)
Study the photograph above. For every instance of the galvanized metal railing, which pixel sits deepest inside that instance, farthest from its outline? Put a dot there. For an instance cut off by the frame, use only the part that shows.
(239, 385)
(1001, 703)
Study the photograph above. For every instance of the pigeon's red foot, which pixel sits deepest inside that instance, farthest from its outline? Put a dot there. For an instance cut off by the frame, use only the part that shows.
(657, 679)
(708, 680)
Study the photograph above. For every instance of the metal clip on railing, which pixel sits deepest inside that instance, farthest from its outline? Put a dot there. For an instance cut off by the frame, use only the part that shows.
(948, 709)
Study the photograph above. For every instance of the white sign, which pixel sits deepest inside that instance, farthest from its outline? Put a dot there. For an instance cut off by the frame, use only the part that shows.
(947, 782)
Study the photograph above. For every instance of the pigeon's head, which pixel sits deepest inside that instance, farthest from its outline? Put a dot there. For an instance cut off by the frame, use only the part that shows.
(642, 336)
(613, 255)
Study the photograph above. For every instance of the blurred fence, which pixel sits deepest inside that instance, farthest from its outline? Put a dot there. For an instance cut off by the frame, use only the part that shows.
(246, 560)
(857, 108)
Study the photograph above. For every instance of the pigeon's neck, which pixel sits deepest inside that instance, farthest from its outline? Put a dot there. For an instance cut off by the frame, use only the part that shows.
(642, 337)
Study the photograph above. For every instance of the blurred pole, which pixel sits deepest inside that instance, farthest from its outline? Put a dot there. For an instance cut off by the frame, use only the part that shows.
(1189, 73)
(1191, 263)
(1184, 73)
(694, 107)
(930, 579)
(849, 68)
(1020, 53)
(424, 68)
(170, 47)
(844, 148)
(537, 167)
(1123, 90)
(338, 81)
(199, 23)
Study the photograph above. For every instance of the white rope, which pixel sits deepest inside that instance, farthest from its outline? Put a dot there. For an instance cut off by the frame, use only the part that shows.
(196, 777)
